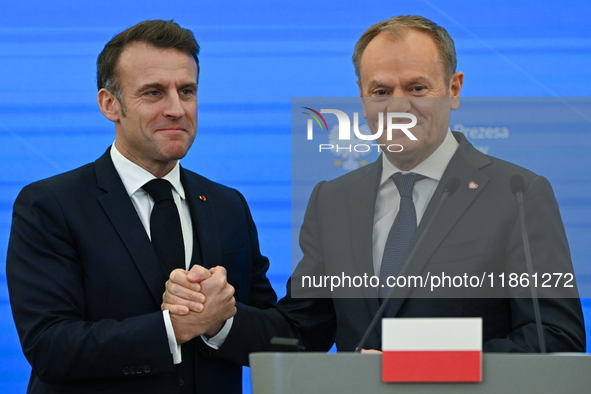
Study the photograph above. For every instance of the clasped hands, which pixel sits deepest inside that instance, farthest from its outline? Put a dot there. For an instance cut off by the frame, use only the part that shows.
(199, 301)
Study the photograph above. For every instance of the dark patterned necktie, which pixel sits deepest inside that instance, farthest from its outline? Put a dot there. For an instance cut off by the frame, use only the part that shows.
(165, 225)
(401, 233)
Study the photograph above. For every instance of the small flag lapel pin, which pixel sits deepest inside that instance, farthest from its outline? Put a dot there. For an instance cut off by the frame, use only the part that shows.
(202, 198)
(472, 185)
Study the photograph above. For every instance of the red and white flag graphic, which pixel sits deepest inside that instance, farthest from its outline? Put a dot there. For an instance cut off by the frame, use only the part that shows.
(432, 349)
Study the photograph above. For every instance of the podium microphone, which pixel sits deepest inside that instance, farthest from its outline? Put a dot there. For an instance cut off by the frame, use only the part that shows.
(450, 188)
(518, 187)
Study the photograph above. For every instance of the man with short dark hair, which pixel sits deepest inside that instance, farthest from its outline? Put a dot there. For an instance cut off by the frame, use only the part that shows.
(368, 220)
(90, 249)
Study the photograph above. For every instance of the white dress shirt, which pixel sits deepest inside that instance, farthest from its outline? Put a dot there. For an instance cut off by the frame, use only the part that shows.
(388, 199)
(133, 178)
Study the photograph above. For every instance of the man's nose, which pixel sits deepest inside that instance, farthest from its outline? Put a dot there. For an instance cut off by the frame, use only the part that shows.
(398, 103)
(174, 106)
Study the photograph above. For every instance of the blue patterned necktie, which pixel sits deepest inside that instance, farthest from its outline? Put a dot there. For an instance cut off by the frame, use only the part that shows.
(401, 233)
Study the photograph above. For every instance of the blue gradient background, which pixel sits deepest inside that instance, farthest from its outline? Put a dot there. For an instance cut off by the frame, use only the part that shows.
(256, 56)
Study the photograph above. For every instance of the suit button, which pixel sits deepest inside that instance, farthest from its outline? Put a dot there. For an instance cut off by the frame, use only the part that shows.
(132, 370)
(126, 371)
(147, 369)
(181, 382)
(139, 370)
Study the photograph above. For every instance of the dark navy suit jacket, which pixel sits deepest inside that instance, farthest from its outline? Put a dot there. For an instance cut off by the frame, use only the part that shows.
(86, 287)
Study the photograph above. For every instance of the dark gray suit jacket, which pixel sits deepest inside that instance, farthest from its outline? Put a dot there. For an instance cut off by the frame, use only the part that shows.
(477, 230)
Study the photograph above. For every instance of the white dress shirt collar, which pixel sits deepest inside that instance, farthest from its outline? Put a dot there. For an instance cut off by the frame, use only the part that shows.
(134, 176)
(432, 167)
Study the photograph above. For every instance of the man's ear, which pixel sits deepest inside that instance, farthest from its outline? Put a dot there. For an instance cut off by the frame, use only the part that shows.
(361, 95)
(455, 87)
(109, 105)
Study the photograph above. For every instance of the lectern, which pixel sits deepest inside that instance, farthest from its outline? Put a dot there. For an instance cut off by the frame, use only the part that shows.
(343, 373)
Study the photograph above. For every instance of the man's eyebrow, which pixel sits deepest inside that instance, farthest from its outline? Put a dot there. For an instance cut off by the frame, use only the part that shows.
(157, 85)
(148, 86)
(417, 80)
(377, 83)
(191, 85)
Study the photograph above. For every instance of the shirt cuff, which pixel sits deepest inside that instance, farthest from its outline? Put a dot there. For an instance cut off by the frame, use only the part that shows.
(218, 340)
(175, 349)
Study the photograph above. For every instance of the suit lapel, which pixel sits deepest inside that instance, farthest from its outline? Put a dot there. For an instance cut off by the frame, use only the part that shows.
(465, 164)
(361, 199)
(206, 246)
(122, 214)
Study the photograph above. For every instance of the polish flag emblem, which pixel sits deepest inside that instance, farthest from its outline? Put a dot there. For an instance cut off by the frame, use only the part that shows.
(472, 185)
(432, 350)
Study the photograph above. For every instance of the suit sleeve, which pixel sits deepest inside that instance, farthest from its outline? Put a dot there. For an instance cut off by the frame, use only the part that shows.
(261, 294)
(562, 317)
(311, 320)
(46, 284)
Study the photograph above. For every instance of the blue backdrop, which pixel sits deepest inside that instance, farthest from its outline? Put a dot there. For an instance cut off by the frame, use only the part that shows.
(255, 57)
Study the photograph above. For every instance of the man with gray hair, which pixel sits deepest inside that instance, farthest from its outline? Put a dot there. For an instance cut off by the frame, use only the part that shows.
(408, 64)
(90, 250)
